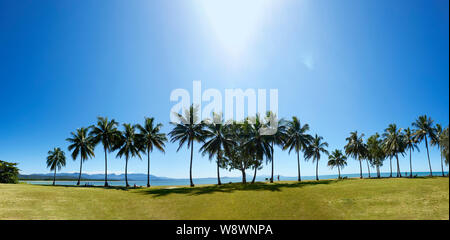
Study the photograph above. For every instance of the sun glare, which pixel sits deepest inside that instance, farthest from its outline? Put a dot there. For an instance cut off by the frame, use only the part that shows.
(234, 22)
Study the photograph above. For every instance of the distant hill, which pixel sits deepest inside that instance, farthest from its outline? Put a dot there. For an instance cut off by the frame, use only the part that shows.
(74, 176)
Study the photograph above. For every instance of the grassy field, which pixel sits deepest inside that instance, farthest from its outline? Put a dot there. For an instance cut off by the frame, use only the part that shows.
(420, 198)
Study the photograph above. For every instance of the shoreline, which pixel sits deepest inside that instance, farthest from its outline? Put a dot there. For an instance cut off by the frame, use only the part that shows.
(229, 184)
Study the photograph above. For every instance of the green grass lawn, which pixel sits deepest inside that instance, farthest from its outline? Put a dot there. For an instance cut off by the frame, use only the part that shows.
(420, 198)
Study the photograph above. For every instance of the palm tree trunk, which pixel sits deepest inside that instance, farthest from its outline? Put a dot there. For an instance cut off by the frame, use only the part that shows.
(254, 175)
(79, 176)
(106, 168)
(390, 162)
(378, 171)
(271, 179)
(442, 166)
(218, 174)
(244, 179)
(126, 172)
(317, 169)
(54, 177)
(428, 154)
(368, 168)
(399, 174)
(360, 168)
(190, 168)
(298, 164)
(148, 167)
(339, 173)
(410, 163)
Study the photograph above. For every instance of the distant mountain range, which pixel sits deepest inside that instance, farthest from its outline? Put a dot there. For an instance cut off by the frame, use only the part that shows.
(74, 176)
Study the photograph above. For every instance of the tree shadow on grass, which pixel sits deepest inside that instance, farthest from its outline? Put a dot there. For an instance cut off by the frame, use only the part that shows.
(90, 186)
(231, 187)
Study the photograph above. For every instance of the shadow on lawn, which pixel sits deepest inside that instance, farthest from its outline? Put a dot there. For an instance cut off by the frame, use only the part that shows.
(230, 187)
(91, 186)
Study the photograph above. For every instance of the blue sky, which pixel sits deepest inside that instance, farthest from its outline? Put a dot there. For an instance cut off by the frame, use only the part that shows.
(339, 66)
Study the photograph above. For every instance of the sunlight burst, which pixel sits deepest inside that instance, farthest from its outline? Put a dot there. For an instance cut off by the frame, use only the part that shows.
(234, 22)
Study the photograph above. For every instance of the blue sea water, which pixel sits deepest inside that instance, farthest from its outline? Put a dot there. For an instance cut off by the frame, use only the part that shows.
(197, 181)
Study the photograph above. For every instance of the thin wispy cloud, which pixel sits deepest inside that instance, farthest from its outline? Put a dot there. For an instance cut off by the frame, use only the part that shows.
(308, 61)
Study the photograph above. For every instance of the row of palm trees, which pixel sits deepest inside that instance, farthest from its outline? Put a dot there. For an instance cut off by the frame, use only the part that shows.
(243, 145)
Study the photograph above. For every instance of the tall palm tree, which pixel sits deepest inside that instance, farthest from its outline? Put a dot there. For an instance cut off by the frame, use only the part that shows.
(375, 153)
(128, 146)
(411, 145)
(394, 143)
(55, 160)
(314, 150)
(277, 137)
(105, 132)
(150, 137)
(337, 159)
(81, 144)
(258, 144)
(218, 142)
(356, 148)
(424, 130)
(189, 130)
(436, 142)
(444, 142)
(297, 139)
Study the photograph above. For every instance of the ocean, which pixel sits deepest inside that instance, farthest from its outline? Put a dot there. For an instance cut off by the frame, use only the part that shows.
(224, 180)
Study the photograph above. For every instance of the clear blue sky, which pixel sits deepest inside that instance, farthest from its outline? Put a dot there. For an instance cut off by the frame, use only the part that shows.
(339, 66)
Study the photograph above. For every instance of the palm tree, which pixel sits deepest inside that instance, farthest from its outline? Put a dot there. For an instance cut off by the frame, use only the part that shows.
(258, 144)
(314, 150)
(411, 145)
(150, 137)
(297, 139)
(55, 160)
(444, 142)
(394, 143)
(375, 153)
(356, 148)
(128, 146)
(278, 137)
(218, 142)
(81, 144)
(188, 130)
(424, 130)
(337, 159)
(105, 132)
(436, 142)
